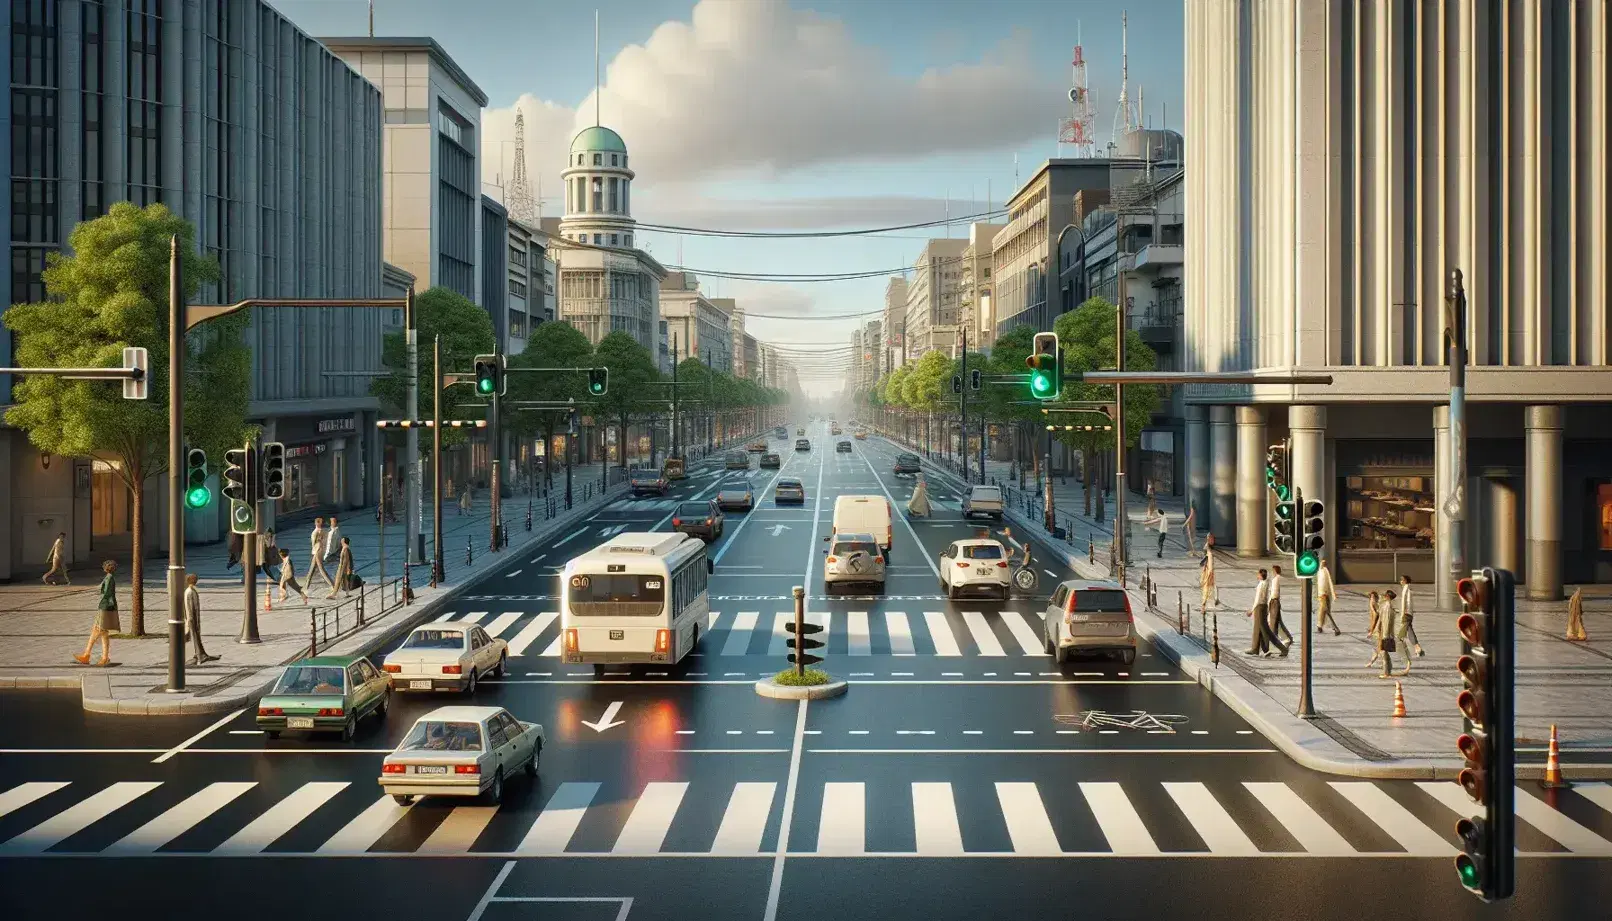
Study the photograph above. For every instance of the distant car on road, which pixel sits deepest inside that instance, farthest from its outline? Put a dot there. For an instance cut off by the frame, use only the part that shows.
(738, 460)
(789, 490)
(843, 447)
(674, 468)
(861, 435)
(324, 694)
(645, 481)
(978, 563)
(907, 463)
(1089, 616)
(757, 447)
(800, 431)
(802, 444)
(735, 496)
(771, 461)
(700, 519)
(984, 500)
(461, 751)
(446, 657)
(834, 429)
(780, 432)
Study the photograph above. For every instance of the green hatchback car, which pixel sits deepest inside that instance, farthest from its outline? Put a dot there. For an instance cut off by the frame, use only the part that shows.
(324, 694)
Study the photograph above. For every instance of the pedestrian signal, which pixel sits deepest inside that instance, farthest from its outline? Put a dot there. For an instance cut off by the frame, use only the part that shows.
(957, 383)
(489, 375)
(974, 379)
(1312, 538)
(598, 381)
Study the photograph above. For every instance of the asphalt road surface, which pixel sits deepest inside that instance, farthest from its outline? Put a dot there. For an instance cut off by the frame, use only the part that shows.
(963, 776)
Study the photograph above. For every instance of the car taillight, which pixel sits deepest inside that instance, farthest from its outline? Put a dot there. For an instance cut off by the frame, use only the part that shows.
(962, 564)
(393, 769)
(1002, 565)
(394, 669)
(663, 640)
(452, 669)
(467, 769)
(833, 559)
(330, 711)
(270, 711)
(1072, 597)
(676, 522)
(707, 521)
(571, 639)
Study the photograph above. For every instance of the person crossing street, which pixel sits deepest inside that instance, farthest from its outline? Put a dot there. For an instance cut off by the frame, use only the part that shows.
(57, 560)
(1326, 593)
(1276, 608)
(316, 558)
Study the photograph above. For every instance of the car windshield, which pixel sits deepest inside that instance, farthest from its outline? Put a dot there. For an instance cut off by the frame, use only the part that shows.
(693, 510)
(907, 459)
(646, 474)
(738, 457)
(439, 736)
(311, 679)
(734, 491)
(846, 548)
(982, 552)
(617, 594)
(435, 639)
(1100, 600)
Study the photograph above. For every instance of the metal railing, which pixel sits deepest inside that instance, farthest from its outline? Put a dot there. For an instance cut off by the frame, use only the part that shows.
(333, 620)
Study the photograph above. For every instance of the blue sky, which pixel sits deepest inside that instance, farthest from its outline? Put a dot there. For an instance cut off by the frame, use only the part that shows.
(789, 114)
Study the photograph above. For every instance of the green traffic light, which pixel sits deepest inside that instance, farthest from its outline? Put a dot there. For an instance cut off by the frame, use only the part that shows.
(1308, 563)
(1041, 383)
(1282, 492)
(1467, 871)
(485, 385)
(198, 497)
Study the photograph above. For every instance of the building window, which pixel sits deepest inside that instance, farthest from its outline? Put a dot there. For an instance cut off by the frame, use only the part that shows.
(615, 195)
(598, 195)
(517, 289)
(596, 159)
(598, 239)
(615, 240)
(628, 243)
(579, 159)
(613, 159)
(623, 161)
(517, 324)
(517, 256)
(1388, 512)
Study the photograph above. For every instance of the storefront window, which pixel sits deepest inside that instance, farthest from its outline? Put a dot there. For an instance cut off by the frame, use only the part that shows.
(1387, 513)
(1603, 503)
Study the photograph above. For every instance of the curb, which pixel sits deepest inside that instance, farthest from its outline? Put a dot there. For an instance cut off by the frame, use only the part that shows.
(97, 693)
(767, 687)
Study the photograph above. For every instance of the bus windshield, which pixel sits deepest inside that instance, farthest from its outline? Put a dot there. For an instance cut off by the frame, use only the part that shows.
(617, 595)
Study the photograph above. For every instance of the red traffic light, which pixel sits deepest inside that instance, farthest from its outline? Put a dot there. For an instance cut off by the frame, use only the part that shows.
(1474, 592)
(1471, 747)
(1474, 783)
(1475, 671)
(1472, 705)
(1471, 629)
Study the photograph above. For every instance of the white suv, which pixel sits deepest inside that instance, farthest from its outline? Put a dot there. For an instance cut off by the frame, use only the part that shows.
(976, 563)
(1089, 616)
(853, 558)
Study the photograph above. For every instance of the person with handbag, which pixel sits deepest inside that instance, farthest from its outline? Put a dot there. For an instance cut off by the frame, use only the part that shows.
(106, 619)
(1380, 629)
(344, 570)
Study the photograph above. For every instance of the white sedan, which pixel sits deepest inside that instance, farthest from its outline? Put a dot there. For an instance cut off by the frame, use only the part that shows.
(446, 657)
(461, 751)
(976, 563)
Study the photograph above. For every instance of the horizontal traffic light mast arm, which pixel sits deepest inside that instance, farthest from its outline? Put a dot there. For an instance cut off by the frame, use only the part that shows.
(1200, 377)
(82, 374)
(197, 314)
(512, 370)
(426, 423)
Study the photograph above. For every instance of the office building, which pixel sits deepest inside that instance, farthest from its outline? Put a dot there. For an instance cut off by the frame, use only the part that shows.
(895, 322)
(699, 327)
(975, 306)
(1026, 249)
(932, 297)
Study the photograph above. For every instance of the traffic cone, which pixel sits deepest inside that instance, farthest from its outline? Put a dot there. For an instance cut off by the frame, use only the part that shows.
(268, 598)
(1553, 765)
(1399, 700)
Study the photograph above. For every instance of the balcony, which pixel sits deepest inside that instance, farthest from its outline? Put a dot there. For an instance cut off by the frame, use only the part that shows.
(1159, 323)
(1156, 256)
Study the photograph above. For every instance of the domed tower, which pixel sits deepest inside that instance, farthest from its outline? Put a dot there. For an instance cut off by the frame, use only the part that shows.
(598, 190)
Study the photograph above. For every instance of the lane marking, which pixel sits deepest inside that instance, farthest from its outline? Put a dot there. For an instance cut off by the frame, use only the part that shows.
(934, 819)
(842, 828)
(791, 786)
(280, 818)
(458, 832)
(359, 835)
(1301, 821)
(513, 573)
(1400, 823)
(745, 821)
(77, 817)
(1170, 752)
(557, 823)
(179, 819)
(651, 818)
(1210, 819)
(1118, 820)
(1029, 827)
(196, 738)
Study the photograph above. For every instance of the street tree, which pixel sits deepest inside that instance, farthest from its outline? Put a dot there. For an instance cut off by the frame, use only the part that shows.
(466, 331)
(551, 345)
(631, 369)
(108, 291)
(1008, 404)
(695, 385)
(962, 368)
(923, 390)
(1087, 335)
(895, 386)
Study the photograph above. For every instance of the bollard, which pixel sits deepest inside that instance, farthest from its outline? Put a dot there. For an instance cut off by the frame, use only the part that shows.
(1180, 614)
(361, 607)
(528, 514)
(504, 530)
(1091, 548)
(1214, 650)
(313, 632)
(408, 591)
(470, 553)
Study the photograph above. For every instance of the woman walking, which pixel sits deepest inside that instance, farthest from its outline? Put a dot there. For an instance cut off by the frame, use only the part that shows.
(344, 570)
(268, 553)
(288, 577)
(1380, 631)
(1405, 629)
(106, 619)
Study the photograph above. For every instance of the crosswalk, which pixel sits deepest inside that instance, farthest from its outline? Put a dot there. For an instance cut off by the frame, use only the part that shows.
(993, 634)
(839, 818)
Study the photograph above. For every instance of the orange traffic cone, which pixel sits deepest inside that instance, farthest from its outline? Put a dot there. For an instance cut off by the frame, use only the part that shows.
(1553, 765)
(268, 598)
(1399, 700)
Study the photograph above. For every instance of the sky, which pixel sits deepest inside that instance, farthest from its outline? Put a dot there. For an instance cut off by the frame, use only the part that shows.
(791, 115)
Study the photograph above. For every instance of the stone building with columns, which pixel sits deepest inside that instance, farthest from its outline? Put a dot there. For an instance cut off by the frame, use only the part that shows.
(1352, 158)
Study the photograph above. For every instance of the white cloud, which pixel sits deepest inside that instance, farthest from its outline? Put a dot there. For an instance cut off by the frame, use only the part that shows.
(757, 88)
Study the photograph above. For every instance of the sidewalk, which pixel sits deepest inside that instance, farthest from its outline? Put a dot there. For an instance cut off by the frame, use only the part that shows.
(1558, 682)
(42, 627)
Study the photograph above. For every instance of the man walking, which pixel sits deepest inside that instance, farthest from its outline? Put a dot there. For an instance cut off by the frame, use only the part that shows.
(193, 625)
(1162, 518)
(1276, 606)
(1263, 639)
(316, 559)
(344, 570)
(1189, 528)
(1327, 593)
(333, 539)
(57, 560)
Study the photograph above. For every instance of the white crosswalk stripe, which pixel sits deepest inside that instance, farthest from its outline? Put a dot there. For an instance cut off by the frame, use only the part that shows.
(900, 633)
(739, 634)
(502, 622)
(941, 633)
(49, 816)
(984, 638)
(857, 628)
(529, 633)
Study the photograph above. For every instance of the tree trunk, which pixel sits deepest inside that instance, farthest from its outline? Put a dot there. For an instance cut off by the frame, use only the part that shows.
(1090, 477)
(548, 458)
(621, 442)
(137, 527)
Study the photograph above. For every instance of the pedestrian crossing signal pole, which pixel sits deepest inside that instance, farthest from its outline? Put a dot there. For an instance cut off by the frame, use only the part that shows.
(802, 641)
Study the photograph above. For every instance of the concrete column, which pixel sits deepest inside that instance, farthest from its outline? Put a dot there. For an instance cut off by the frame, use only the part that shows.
(1502, 552)
(1223, 474)
(1544, 478)
(1443, 591)
(1197, 448)
(1307, 426)
(1253, 519)
(353, 455)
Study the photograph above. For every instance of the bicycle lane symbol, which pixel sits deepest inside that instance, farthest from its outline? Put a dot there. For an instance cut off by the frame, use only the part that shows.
(1139, 720)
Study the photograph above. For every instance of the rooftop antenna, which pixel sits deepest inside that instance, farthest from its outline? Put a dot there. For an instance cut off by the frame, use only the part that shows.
(595, 68)
(371, 18)
(521, 206)
(1077, 130)
(1122, 114)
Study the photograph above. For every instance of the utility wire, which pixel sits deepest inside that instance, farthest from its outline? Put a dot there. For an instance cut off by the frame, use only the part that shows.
(815, 234)
(940, 262)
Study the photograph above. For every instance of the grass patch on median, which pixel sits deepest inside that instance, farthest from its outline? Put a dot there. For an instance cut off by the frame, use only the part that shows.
(812, 678)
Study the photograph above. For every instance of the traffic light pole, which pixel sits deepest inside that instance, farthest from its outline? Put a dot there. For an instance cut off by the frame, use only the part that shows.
(962, 406)
(1122, 523)
(249, 548)
(497, 449)
(438, 575)
(176, 469)
(1306, 591)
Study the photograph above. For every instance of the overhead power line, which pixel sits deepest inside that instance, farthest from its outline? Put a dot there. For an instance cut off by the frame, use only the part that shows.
(815, 234)
(808, 277)
(779, 316)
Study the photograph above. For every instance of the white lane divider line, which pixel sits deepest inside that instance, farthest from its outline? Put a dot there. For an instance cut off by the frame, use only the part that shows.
(197, 737)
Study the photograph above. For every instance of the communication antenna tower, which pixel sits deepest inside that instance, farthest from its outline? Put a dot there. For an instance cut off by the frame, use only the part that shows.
(521, 205)
(1124, 118)
(1076, 131)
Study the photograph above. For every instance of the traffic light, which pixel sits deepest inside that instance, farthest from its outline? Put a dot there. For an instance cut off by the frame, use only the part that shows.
(598, 381)
(1286, 527)
(241, 488)
(957, 383)
(1276, 472)
(974, 379)
(1486, 866)
(197, 495)
(801, 642)
(274, 470)
(1046, 367)
(489, 375)
(1312, 537)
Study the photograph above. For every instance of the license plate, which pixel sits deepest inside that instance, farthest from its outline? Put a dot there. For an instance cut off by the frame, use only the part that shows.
(1079, 618)
(299, 722)
(430, 769)
(618, 634)
(420, 685)
(982, 572)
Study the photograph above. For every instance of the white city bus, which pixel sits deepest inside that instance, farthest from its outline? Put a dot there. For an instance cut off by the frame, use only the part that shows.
(637, 598)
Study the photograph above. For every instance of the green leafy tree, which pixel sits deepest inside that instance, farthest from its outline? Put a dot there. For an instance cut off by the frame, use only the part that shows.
(924, 390)
(631, 368)
(466, 331)
(1004, 403)
(695, 385)
(895, 387)
(111, 292)
(1087, 336)
(963, 368)
(551, 345)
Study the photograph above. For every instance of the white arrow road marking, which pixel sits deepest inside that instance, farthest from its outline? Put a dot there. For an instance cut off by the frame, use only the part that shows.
(778, 529)
(609, 718)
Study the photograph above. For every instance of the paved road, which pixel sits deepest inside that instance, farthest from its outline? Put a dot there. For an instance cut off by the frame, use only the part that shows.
(964, 775)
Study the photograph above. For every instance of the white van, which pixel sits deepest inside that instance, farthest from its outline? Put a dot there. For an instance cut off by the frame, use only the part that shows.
(865, 515)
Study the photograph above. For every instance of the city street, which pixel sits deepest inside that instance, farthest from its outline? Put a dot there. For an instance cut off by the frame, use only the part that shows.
(962, 775)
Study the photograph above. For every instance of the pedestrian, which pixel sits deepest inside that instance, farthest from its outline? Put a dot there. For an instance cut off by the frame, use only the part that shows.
(237, 549)
(1189, 528)
(1383, 617)
(447, 488)
(288, 577)
(332, 539)
(1374, 619)
(344, 570)
(106, 619)
(1163, 520)
(1206, 574)
(268, 554)
(1152, 502)
(1405, 629)
(1263, 638)
(193, 624)
(465, 499)
(316, 558)
(1327, 593)
(1575, 616)
(1276, 606)
(57, 560)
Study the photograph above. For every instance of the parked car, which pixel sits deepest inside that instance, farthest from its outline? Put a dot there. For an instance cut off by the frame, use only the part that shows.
(446, 657)
(738, 460)
(461, 751)
(701, 519)
(646, 481)
(735, 496)
(853, 559)
(802, 444)
(984, 500)
(789, 490)
(771, 461)
(843, 447)
(324, 694)
(907, 464)
(977, 564)
(1089, 616)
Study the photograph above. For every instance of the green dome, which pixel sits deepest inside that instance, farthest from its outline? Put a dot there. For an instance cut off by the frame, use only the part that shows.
(598, 138)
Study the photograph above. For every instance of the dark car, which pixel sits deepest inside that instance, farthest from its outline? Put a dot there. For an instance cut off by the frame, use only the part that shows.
(698, 519)
(907, 463)
(789, 491)
(780, 432)
(648, 481)
(771, 462)
(757, 447)
(738, 460)
(802, 444)
(843, 447)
